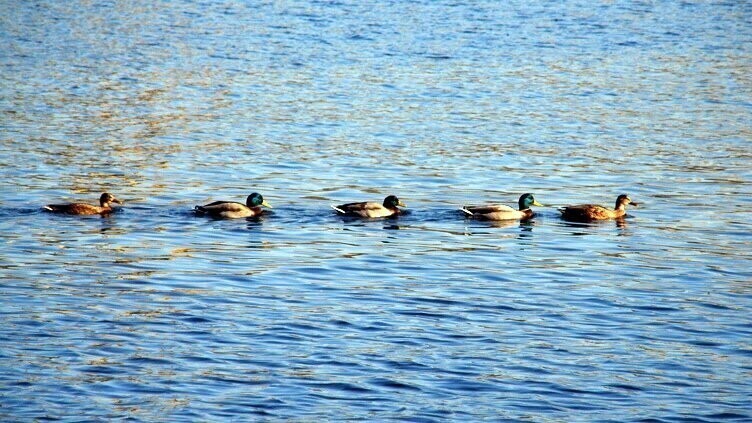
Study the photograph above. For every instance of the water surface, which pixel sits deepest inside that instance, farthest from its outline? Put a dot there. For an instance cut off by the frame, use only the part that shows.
(154, 314)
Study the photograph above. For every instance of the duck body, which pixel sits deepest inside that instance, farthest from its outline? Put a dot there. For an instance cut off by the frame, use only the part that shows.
(105, 206)
(502, 212)
(590, 212)
(234, 210)
(369, 209)
(229, 210)
(497, 212)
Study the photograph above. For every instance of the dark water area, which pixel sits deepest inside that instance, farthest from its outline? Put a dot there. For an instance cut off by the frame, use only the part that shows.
(154, 314)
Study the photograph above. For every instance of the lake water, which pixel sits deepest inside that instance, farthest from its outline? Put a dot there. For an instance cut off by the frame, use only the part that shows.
(153, 314)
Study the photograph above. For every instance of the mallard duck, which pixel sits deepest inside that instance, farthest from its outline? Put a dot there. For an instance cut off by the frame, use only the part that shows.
(588, 212)
(233, 210)
(105, 206)
(502, 212)
(371, 209)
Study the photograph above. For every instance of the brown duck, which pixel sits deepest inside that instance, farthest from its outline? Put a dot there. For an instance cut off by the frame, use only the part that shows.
(589, 212)
(105, 206)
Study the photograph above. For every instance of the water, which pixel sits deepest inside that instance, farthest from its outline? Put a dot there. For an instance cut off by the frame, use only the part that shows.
(154, 314)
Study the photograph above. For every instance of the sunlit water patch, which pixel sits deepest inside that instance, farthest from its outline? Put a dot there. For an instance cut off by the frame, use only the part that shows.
(153, 313)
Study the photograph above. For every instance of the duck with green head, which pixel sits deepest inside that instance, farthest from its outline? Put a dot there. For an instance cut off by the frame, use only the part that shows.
(234, 210)
(388, 208)
(590, 212)
(502, 212)
(105, 206)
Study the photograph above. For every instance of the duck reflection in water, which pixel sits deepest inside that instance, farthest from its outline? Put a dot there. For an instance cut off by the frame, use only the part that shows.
(585, 228)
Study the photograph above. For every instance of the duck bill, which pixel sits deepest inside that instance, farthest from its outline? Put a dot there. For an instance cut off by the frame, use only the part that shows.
(401, 204)
(633, 204)
(535, 203)
(265, 204)
(115, 200)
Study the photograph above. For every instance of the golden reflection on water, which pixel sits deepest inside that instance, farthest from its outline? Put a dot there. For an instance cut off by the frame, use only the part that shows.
(168, 105)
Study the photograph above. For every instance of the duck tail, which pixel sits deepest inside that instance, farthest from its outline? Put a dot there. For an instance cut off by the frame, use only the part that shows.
(199, 209)
(466, 211)
(562, 210)
(48, 208)
(337, 209)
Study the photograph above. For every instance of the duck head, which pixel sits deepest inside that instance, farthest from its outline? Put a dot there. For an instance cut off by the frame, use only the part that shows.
(392, 201)
(622, 201)
(256, 200)
(107, 198)
(527, 200)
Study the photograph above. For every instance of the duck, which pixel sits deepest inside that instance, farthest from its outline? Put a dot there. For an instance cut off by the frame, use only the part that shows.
(234, 210)
(502, 212)
(105, 206)
(589, 212)
(388, 208)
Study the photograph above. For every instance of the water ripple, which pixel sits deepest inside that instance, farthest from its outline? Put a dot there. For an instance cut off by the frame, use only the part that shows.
(153, 313)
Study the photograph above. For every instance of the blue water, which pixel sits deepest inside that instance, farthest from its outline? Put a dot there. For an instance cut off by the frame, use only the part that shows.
(153, 314)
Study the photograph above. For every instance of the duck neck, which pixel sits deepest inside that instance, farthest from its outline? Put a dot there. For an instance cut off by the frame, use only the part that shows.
(620, 210)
